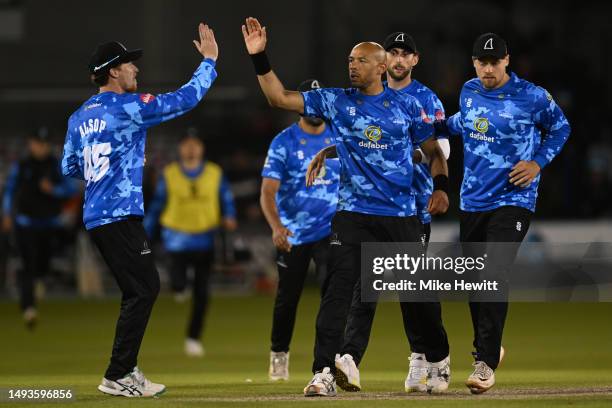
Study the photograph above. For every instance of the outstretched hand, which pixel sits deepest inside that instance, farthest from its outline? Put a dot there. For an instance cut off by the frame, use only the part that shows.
(254, 36)
(207, 46)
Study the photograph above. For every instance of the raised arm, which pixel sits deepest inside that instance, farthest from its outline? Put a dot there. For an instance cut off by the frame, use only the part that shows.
(149, 110)
(255, 40)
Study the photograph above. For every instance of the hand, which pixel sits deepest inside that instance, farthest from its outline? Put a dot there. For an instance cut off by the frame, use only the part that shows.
(230, 224)
(417, 156)
(524, 172)
(207, 46)
(254, 36)
(279, 237)
(438, 203)
(46, 186)
(315, 167)
(7, 223)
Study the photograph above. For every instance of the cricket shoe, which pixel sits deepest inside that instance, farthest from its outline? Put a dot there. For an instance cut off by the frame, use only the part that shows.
(322, 384)
(347, 373)
(194, 348)
(438, 377)
(134, 384)
(279, 366)
(482, 379)
(416, 380)
(30, 317)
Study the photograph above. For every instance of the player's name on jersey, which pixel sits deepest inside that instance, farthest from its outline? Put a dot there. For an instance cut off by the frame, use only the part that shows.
(92, 126)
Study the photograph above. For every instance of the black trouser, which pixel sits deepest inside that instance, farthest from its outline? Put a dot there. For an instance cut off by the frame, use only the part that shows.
(201, 261)
(349, 230)
(292, 271)
(361, 318)
(504, 224)
(35, 249)
(124, 247)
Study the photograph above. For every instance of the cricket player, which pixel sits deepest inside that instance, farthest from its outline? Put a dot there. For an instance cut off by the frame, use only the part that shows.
(511, 130)
(192, 201)
(105, 145)
(300, 219)
(402, 57)
(375, 129)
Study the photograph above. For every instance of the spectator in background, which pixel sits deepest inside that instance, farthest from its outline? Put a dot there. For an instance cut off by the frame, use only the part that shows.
(32, 206)
(192, 200)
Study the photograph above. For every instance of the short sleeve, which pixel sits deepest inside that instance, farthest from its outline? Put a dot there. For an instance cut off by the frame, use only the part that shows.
(320, 102)
(276, 160)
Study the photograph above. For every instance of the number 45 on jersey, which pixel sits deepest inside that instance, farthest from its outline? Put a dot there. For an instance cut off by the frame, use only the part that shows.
(96, 161)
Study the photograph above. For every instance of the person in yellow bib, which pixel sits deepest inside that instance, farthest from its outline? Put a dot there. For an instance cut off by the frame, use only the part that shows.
(192, 201)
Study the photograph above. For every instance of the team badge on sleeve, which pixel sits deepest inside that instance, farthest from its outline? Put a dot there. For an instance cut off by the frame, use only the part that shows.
(146, 98)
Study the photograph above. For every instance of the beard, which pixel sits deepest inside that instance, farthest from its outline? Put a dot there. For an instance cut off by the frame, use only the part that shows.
(313, 121)
(399, 77)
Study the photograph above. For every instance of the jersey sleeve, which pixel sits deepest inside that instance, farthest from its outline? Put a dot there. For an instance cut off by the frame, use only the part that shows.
(320, 102)
(70, 157)
(454, 124)
(276, 160)
(147, 110)
(421, 127)
(9, 189)
(555, 128)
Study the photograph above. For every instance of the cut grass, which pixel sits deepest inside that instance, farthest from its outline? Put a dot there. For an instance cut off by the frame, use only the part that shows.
(557, 354)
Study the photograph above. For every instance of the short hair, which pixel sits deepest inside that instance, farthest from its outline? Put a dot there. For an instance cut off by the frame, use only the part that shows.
(100, 79)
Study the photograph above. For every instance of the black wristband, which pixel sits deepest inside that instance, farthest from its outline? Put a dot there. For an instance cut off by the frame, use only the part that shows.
(261, 63)
(440, 182)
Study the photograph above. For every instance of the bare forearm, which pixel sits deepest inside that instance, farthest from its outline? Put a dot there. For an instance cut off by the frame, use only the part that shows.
(278, 96)
(330, 152)
(270, 211)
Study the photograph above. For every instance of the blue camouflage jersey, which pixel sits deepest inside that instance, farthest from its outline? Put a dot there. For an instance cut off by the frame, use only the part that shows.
(422, 182)
(500, 127)
(374, 138)
(305, 211)
(105, 144)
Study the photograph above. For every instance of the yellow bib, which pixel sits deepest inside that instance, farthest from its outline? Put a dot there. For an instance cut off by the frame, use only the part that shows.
(192, 205)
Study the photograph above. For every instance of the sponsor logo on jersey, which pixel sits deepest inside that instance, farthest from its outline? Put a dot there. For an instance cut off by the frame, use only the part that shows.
(481, 125)
(374, 133)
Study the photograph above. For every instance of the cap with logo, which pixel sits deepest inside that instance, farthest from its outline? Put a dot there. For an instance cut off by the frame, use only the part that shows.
(490, 45)
(309, 85)
(110, 55)
(400, 40)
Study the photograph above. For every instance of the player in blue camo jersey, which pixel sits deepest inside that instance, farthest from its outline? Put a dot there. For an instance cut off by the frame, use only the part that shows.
(300, 219)
(402, 57)
(105, 145)
(375, 128)
(511, 130)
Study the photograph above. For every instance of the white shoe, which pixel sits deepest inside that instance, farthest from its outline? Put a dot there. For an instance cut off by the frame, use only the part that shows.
(347, 373)
(416, 380)
(322, 384)
(30, 317)
(193, 348)
(482, 379)
(438, 378)
(279, 366)
(134, 384)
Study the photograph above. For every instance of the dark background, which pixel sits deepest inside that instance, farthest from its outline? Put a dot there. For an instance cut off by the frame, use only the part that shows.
(562, 46)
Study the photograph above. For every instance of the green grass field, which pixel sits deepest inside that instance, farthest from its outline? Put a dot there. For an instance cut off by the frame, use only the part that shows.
(556, 355)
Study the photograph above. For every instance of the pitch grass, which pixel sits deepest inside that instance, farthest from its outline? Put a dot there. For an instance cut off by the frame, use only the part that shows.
(557, 354)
